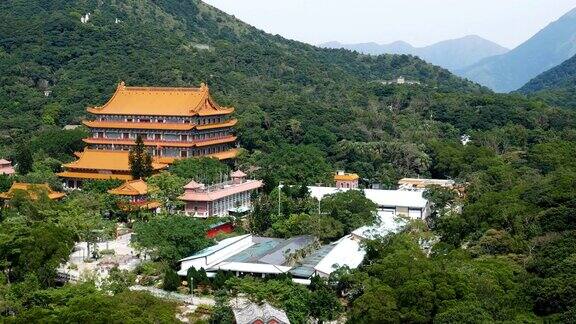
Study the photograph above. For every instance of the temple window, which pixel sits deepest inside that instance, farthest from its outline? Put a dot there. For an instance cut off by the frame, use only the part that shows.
(158, 137)
(129, 120)
(183, 154)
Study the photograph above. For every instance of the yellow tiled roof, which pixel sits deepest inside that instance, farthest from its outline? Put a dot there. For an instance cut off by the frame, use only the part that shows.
(157, 101)
(94, 176)
(126, 125)
(230, 123)
(131, 188)
(227, 139)
(28, 187)
(226, 155)
(105, 160)
(165, 159)
(346, 177)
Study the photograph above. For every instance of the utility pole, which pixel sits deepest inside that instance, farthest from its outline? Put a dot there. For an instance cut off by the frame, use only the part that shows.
(279, 190)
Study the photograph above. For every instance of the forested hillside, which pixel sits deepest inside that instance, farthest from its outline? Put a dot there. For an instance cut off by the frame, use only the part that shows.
(506, 256)
(44, 46)
(555, 86)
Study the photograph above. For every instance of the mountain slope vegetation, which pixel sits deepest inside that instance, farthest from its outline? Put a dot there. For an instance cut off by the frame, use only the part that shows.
(555, 86)
(44, 46)
(549, 47)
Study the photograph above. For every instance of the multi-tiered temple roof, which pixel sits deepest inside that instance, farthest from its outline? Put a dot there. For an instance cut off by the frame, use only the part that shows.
(172, 101)
(173, 123)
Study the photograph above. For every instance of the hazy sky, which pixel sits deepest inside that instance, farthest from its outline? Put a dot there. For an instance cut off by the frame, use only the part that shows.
(419, 22)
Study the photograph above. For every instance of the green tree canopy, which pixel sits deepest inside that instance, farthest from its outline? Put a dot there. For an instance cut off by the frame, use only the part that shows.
(170, 237)
(140, 160)
(204, 170)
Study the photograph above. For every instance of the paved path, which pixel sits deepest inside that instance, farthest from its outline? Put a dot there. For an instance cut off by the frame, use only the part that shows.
(186, 299)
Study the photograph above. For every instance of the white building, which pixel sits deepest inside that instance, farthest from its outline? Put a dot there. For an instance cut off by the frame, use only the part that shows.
(302, 257)
(346, 252)
(389, 202)
(401, 81)
(248, 254)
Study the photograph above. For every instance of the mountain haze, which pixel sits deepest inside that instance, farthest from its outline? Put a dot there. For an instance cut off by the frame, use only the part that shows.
(450, 54)
(545, 50)
(398, 47)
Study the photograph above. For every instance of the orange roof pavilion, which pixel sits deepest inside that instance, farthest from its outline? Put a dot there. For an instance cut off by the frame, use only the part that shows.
(175, 102)
(32, 190)
(131, 188)
(134, 189)
(346, 177)
(102, 165)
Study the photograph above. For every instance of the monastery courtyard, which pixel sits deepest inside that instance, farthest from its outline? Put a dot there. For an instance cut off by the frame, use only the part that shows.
(81, 264)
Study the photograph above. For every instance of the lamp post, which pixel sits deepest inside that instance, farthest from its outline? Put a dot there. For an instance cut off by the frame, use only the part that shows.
(279, 202)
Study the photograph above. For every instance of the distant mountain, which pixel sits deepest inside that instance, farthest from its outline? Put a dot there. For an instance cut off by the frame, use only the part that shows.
(451, 54)
(556, 86)
(458, 53)
(545, 50)
(372, 48)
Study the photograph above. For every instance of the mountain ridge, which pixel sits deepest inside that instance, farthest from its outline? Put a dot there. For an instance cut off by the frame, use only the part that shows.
(451, 54)
(546, 49)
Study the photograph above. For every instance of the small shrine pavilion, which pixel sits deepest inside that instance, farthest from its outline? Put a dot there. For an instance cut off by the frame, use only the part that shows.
(136, 192)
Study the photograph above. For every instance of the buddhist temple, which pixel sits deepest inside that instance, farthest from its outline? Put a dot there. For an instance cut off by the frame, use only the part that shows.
(95, 164)
(137, 195)
(220, 199)
(174, 123)
(32, 190)
(346, 180)
(6, 167)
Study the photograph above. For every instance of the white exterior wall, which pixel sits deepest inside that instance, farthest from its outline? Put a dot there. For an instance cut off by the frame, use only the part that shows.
(415, 213)
(221, 206)
(195, 263)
